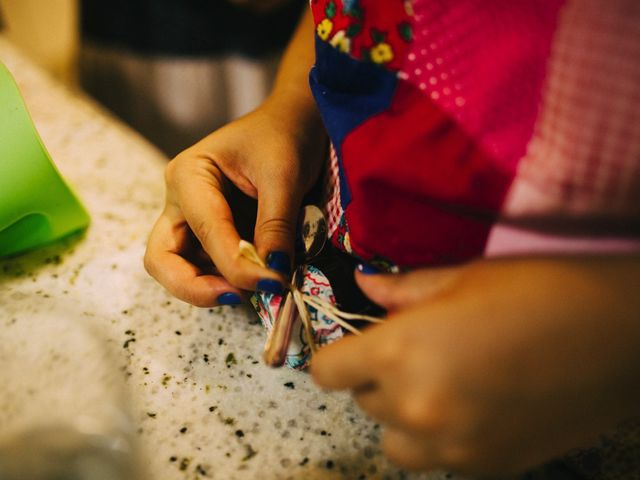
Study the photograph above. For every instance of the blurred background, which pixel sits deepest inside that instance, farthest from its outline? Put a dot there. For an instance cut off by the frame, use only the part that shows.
(174, 70)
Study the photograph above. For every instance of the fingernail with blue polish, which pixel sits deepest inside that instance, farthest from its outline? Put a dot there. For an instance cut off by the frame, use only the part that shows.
(229, 298)
(280, 262)
(270, 285)
(367, 269)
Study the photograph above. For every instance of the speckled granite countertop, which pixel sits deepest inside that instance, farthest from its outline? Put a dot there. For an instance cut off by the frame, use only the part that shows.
(203, 405)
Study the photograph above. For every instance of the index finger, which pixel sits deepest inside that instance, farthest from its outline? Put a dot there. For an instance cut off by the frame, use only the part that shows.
(164, 262)
(206, 210)
(344, 364)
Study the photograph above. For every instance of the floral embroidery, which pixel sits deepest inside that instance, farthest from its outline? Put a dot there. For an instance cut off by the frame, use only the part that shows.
(341, 41)
(324, 28)
(330, 10)
(347, 243)
(406, 31)
(369, 30)
(408, 7)
(381, 53)
(340, 237)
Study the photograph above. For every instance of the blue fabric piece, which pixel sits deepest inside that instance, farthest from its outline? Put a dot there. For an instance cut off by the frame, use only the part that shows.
(348, 92)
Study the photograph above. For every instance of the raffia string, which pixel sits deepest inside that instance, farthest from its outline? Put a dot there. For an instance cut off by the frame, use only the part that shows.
(248, 251)
(298, 297)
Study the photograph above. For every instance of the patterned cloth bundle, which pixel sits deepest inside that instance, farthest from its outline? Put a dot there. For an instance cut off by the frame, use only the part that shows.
(316, 319)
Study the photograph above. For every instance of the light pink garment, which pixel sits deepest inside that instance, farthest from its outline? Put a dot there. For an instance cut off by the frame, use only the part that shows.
(582, 165)
(576, 153)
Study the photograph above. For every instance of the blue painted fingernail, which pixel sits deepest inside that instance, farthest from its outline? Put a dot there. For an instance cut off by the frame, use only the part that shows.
(229, 298)
(280, 262)
(367, 269)
(270, 285)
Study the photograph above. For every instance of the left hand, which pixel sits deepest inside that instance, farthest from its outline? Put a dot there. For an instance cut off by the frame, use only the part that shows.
(496, 366)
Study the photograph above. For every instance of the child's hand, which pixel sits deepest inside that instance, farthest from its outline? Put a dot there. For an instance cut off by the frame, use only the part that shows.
(498, 365)
(267, 155)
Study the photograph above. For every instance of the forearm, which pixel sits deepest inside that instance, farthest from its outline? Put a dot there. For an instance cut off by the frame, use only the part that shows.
(291, 92)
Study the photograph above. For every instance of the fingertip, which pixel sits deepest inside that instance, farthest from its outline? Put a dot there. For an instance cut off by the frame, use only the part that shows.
(229, 299)
(340, 365)
(270, 285)
(377, 287)
(246, 274)
(279, 261)
(367, 269)
(320, 368)
(186, 281)
(276, 224)
(407, 451)
(208, 291)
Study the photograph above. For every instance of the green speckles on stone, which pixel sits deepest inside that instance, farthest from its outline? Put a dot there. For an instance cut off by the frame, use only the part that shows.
(200, 470)
(165, 380)
(230, 360)
(184, 463)
(54, 259)
(250, 453)
(75, 274)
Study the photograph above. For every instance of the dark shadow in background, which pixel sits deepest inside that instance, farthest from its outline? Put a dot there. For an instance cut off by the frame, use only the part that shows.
(160, 65)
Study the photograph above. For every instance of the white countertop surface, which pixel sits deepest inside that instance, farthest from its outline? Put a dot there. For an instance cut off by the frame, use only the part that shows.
(202, 403)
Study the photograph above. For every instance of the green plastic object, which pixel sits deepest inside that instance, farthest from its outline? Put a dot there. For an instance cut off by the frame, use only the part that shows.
(36, 205)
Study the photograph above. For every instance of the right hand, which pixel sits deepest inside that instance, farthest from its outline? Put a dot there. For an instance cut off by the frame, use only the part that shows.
(269, 156)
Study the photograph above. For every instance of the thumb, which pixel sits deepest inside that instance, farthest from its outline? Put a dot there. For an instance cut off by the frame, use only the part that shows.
(397, 291)
(275, 230)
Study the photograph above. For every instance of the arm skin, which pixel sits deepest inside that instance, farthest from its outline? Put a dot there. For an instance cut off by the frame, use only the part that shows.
(498, 365)
(272, 155)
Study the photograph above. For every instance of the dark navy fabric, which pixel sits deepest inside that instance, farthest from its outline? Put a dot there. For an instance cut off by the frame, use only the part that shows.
(348, 92)
(188, 27)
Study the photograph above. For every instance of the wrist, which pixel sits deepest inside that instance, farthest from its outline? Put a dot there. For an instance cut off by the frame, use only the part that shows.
(298, 114)
(293, 102)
